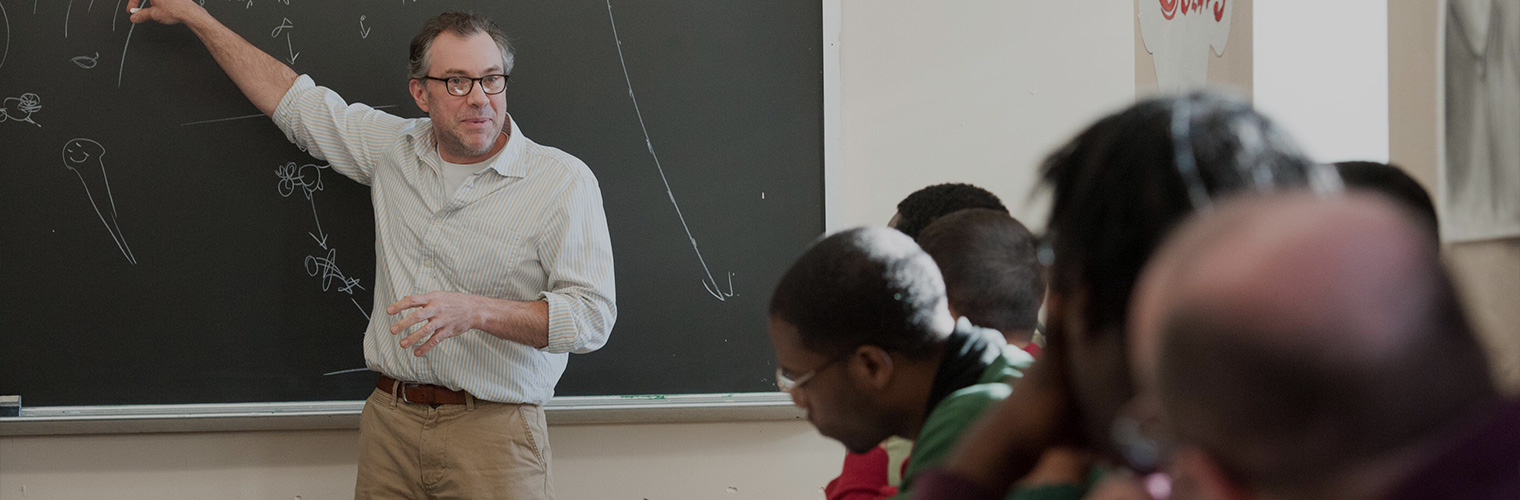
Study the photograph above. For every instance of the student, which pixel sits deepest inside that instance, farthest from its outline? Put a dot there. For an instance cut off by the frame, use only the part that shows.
(492, 257)
(1118, 187)
(922, 207)
(992, 276)
(1315, 349)
(866, 344)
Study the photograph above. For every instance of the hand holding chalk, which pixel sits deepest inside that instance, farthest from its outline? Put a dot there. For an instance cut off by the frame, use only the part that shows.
(166, 11)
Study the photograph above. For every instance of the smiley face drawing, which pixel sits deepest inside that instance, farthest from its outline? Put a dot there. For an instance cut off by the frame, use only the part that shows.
(85, 158)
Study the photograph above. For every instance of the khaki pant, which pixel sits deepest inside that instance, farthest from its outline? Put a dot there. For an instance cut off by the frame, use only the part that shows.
(476, 450)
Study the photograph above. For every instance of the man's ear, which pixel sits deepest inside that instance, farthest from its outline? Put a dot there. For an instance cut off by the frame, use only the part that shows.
(873, 366)
(1195, 474)
(419, 93)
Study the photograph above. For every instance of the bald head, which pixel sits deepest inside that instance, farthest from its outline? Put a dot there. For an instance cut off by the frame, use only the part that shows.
(1292, 336)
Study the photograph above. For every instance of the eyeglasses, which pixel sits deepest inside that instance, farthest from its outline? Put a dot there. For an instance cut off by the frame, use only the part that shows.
(787, 383)
(461, 86)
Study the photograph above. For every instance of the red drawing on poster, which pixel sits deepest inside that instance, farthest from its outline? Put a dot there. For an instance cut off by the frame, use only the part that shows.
(1169, 8)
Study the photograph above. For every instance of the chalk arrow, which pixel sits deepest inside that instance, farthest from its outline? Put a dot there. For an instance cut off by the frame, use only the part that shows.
(323, 239)
(712, 287)
(293, 53)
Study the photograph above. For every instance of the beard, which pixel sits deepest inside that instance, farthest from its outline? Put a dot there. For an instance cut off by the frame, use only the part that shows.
(452, 141)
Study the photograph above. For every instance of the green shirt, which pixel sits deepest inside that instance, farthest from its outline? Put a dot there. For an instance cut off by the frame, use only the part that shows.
(958, 411)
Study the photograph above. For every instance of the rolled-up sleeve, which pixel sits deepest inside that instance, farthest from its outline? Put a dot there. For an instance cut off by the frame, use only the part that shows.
(352, 138)
(577, 253)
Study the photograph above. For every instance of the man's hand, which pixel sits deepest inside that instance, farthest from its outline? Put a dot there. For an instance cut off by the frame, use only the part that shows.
(166, 11)
(260, 76)
(443, 315)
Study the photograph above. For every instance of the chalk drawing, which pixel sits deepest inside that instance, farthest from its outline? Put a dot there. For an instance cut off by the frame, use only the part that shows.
(86, 62)
(5, 50)
(20, 109)
(85, 158)
(286, 25)
(309, 178)
(709, 283)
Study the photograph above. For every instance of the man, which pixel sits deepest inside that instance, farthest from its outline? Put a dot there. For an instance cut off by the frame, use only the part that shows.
(865, 343)
(1117, 188)
(492, 257)
(1315, 349)
(922, 207)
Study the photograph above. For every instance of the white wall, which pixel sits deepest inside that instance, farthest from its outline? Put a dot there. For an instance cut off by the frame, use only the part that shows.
(973, 91)
(969, 91)
(1322, 72)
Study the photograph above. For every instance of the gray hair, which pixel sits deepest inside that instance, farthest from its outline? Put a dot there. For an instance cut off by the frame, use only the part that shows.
(458, 23)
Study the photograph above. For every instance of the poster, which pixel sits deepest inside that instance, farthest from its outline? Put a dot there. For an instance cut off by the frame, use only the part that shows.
(1480, 174)
(1180, 35)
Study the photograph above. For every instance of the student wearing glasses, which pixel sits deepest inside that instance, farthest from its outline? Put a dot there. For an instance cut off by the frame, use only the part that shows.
(493, 260)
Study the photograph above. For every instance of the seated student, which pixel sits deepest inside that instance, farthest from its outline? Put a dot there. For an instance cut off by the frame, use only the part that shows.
(866, 344)
(992, 276)
(1118, 187)
(922, 207)
(862, 476)
(1315, 349)
(992, 280)
(1390, 181)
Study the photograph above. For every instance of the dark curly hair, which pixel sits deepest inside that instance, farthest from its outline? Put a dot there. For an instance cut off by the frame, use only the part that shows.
(930, 203)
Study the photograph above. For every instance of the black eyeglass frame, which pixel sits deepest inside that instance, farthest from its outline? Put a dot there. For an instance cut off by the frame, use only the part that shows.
(448, 87)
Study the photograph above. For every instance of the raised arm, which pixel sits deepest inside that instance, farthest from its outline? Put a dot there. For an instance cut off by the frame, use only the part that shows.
(260, 76)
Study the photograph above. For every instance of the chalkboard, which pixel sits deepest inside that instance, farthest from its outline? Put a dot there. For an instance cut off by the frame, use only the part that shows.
(159, 243)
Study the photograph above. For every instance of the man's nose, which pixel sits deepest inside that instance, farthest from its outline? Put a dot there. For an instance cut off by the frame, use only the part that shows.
(477, 96)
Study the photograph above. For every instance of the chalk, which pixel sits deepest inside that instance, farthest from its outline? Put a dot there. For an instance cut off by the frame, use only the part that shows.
(133, 10)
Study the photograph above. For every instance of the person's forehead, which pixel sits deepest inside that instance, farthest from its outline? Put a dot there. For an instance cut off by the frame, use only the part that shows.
(454, 54)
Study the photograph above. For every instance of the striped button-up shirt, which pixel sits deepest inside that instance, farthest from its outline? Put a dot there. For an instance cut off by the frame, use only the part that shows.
(530, 226)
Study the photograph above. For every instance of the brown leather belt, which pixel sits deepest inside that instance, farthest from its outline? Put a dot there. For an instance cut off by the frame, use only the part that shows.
(427, 394)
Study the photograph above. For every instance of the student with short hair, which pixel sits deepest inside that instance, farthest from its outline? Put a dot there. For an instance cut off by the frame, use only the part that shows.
(922, 207)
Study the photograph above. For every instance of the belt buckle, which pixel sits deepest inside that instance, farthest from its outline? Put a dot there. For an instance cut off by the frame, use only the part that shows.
(404, 385)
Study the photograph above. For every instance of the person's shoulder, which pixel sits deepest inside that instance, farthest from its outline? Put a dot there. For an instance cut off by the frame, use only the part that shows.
(948, 421)
(961, 408)
(972, 400)
(556, 163)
